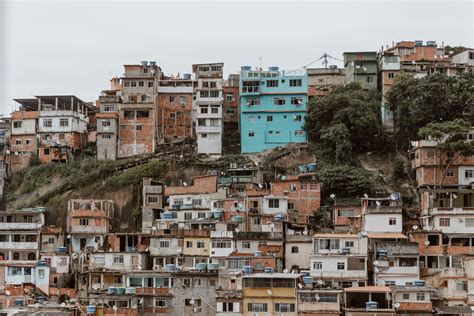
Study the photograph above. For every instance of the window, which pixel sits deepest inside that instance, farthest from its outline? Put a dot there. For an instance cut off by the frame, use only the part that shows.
(214, 94)
(83, 221)
(18, 142)
(251, 134)
(221, 244)
(145, 70)
(133, 83)
(17, 124)
(444, 222)
(461, 286)
(63, 122)
(204, 109)
(273, 203)
(296, 101)
(182, 100)
(41, 273)
(299, 133)
(469, 174)
(345, 213)
(269, 118)
(204, 94)
(349, 244)
(229, 97)
(246, 244)
(341, 265)
(406, 296)
(107, 136)
(257, 307)
(297, 118)
(279, 101)
(369, 79)
(138, 127)
(192, 302)
(272, 83)
(230, 111)
(392, 221)
(126, 84)
(227, 307)
(105, 123)
(28, 141)
(172, 99)
(152, 199)
(317, 265)
(284, 307)
(328, 244)
(216, 68)
(141, 83)
(141, 114)
(294, 249)
(391, 75)
(214, 109)
(188, 216)
(295, 82)
(46, 151)
(189, 244)
(200, 244)
(253, 101)
(160, 302)
(131, 98)
(143, 98)
(47, 122)
(420, 296)
(389, 283)
(449, 173)
(256, 221)
(469, 222)
(118, 259)
(164, 243)
(150, 84)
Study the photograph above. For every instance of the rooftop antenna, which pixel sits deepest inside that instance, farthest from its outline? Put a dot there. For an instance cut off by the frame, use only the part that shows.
(325, 62)
(261, 62)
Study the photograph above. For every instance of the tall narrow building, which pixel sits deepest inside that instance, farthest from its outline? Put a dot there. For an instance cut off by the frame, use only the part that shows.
(273, 108)
(207, 107)
(137, 113)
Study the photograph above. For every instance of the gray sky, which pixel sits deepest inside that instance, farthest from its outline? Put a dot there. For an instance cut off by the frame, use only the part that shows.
(72, 47)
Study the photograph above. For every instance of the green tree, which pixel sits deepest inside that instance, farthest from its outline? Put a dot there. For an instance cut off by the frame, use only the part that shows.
(450, 141)
(346, 120)
(435, 98)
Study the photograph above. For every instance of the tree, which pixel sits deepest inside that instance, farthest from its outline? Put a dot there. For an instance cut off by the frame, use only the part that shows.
(346, 120)
(454, 50)
(435, 98)
(450, 141)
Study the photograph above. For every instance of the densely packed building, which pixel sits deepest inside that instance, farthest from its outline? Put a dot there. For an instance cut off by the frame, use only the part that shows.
(235, 241)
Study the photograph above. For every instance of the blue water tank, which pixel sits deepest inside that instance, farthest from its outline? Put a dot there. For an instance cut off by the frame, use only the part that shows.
(217, 214)
(186, 76)
(307, 280)
(212, 266)
(273, 68)
(247, 269)
(201, 266)
(170, 267)
(61, 250)
(111, 290)
(166, 215)
(371, 305)
(90, 309)
(419, 283)
(268, 270)
(258, 253)
(246, 68)
(303, 169)
(312, 167)
(278, 218)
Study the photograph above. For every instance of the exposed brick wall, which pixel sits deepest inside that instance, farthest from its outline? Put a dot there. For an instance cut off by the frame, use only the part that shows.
(179, 126)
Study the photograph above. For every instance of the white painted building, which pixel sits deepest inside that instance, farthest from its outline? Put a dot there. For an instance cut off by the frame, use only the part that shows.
(207, 107)
(273, 205)
(222, 243)
(382, 215)
(296, 248)
(29, 274)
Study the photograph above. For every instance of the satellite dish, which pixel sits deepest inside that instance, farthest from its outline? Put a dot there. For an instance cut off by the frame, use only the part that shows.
(332, 196)
(237, 230)
(134, 306)
(192, 301)
(376, 263)
(63, 304)
(300, 285)
(269, 292)
(179, 250)
(316, 296)
(451, 52)
(364, 233)
(415, 227)
(7, 292)
(320, 282)
(366, 196)
(396, 305)
(115, 308)
(378, 203)
(68, 236)
(427, 242)
(153, 228)
(305, 232)
(357, 66)
(285, 271)
(260, 186)
(455, 196)
(140, 267)
(185, 184)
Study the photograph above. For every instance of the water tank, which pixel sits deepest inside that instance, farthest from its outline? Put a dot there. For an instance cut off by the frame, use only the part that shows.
(237, 219)
(90, 309)
(268, 270)
(212, 266)
(247, 269)
(418, 43)
(307, 280)
(111, 290)
(312, 167)
(245, 68)
(120, 290)
(201, 266)
(278, 218)
(144, 63)
(152, 63)
(170, 268)
(371, 305)
(166, 215)
(217, 214)
(273, 68)
(431, 43)
(419, 283)
(258, 253)
(61, 250)
(41, 263)
(186, 76)
(382, 253)
(303, 169)
(130, 290)
(41, 209)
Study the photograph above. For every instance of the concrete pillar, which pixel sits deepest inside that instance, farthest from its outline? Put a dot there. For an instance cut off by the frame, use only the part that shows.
(72, 104)
(39, 104)
(56, 103)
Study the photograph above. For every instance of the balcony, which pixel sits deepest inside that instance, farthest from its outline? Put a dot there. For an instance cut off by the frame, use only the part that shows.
(452, 210)
(20, 226)
(250, 90)
(89, 229)
(208, 129)
(19, 245)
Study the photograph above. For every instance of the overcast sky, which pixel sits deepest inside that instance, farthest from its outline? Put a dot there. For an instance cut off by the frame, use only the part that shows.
(75, 47)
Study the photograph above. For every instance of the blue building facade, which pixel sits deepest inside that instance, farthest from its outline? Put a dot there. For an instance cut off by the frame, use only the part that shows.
(273, 108)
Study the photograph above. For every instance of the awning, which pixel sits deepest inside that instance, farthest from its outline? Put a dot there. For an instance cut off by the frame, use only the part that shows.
(387, 236)
(368, 289)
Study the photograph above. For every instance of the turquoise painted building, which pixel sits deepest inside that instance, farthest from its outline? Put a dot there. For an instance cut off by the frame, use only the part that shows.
(273, 108)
